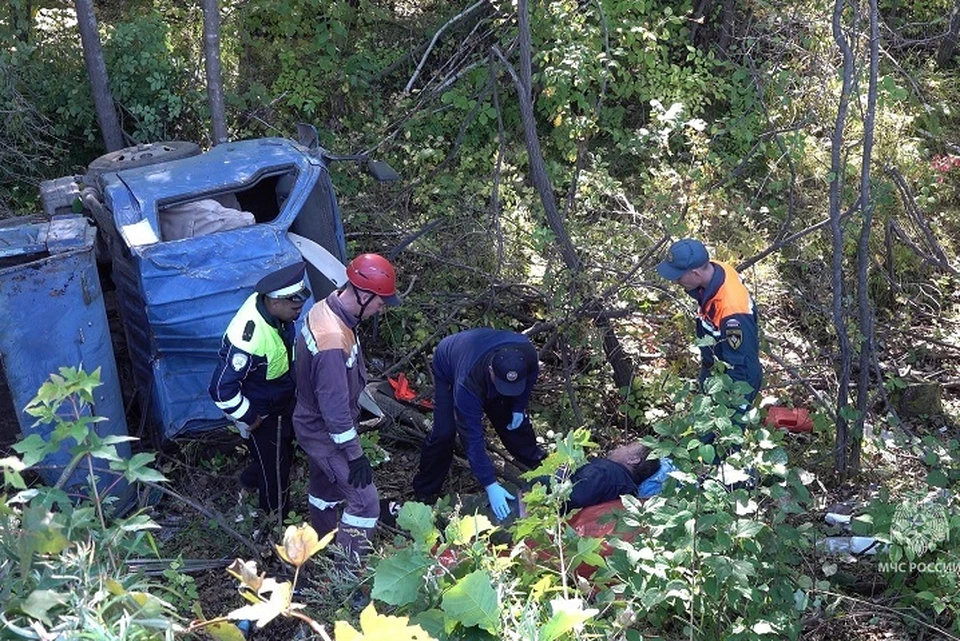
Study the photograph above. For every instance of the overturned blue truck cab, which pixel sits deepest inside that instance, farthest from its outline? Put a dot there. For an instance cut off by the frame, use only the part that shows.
(187, 236)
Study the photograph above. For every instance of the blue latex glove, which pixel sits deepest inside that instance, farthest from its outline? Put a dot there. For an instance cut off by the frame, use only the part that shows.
(515, 423)
(498, 500)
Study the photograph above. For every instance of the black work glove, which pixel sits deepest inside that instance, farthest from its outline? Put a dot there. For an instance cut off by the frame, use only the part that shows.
(361, 474)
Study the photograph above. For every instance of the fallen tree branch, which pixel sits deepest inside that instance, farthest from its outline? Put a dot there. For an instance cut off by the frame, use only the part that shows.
(210, 514)
(916, 216)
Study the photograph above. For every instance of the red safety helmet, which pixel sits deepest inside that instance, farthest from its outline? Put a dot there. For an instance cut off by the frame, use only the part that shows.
(374, 273)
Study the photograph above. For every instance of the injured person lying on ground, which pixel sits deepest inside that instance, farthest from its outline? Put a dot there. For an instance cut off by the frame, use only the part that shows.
(624, 470)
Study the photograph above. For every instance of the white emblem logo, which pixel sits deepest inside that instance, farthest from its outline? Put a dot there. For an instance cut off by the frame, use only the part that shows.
(920, 526)
(238, 362)
(512, 376)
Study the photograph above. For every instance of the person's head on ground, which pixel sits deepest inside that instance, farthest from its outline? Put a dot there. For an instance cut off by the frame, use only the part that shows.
(636, 458)
(687, 263)
(508, 370)
(284, 292)
(371, 286)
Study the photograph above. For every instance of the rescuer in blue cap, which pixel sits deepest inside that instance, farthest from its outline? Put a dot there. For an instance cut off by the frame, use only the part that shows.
(476, 372)
(725, 312)
(254, 384)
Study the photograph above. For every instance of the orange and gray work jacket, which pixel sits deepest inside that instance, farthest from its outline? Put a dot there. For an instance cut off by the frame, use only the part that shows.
(331, 375)
(727, 313)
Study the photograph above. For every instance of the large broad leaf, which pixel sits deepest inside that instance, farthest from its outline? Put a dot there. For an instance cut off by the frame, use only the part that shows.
(137, 523)
(263, 612)
(379, 627)
(44, 531)
(464, 530)
(40, 602)
(417, 518)
(399, 577)
(473, 602)
(746, 529)
(137, 468)
(433, 622)
(34, 448)
(567, 615)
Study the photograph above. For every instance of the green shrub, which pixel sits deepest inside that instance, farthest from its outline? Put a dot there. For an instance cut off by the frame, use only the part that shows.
(63, 560)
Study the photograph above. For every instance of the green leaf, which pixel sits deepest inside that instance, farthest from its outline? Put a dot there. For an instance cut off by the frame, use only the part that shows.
(399, 577)
(707, 453)
(138, 523)
(746, 529)
(473, 602)
(567, 615)
(937, 478)
(224, 631)
(39, 604)
(44, 531)
(34, 449)
(432, 622)
(464, 530)
(135, 468)
(417, 518)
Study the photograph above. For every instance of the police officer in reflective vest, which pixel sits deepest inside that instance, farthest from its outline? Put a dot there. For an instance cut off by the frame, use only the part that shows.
(725, 312)
(254, 383)
(476, 372)
(331, 374)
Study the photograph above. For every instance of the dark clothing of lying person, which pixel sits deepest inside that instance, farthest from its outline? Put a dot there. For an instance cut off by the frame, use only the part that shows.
(620, 472)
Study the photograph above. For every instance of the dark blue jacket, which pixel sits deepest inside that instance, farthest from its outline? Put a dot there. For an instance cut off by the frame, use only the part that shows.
(599, 481)
(463, 360)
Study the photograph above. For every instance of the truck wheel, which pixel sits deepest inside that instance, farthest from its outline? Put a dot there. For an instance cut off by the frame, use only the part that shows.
(141, 156)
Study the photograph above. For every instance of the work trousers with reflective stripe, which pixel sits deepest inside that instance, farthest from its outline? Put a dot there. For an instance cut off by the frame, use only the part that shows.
(271, 450)
(329, 489)
(437, 453)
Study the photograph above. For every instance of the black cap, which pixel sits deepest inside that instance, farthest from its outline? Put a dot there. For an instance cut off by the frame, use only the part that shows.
(509, 371)
(288, 282)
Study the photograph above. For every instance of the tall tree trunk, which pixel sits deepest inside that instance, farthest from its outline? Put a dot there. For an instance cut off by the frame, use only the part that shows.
(863, 246)
(211, 59)
(538, 170)
(622, 367)
(99, 82)
(948, 45)
(836, 229)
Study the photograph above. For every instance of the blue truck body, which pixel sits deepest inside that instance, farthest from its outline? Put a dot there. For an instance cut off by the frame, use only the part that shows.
(176, 297)
(51, 316)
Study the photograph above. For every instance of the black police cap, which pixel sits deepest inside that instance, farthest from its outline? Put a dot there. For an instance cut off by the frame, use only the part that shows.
(288, 282)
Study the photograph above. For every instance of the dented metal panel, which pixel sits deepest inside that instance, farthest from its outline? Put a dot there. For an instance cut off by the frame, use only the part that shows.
(52, 315)
(177, 297)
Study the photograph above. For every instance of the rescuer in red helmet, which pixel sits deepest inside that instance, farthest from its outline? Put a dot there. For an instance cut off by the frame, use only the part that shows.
(331, 374)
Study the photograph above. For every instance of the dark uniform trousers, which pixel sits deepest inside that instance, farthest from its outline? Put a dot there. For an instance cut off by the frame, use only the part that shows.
(271, 447)
(437, 453)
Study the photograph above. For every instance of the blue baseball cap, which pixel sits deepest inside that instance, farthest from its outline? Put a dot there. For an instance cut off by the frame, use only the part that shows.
(683, 256)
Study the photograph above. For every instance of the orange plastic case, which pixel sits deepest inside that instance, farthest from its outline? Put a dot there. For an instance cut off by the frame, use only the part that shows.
(790, 419)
